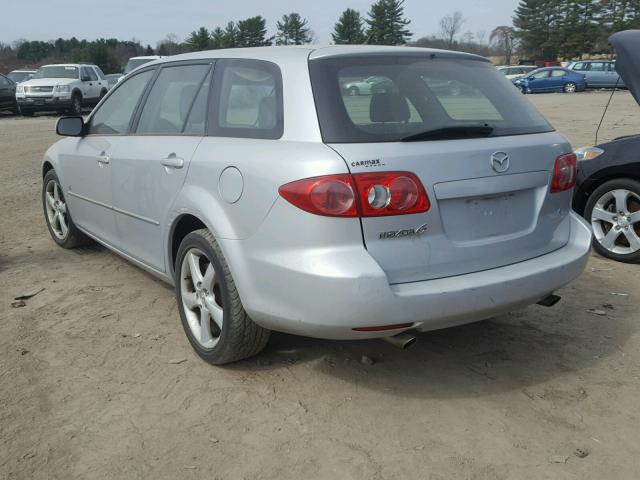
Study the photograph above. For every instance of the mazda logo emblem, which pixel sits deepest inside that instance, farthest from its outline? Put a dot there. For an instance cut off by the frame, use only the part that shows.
(500, 162)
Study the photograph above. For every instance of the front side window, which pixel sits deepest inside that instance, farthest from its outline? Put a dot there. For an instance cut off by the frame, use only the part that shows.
(171, 99)
(415, 94)
(57, 72)
(580, 67)
(114, 115)
(249, 100)
(541, 75)
(99, 72)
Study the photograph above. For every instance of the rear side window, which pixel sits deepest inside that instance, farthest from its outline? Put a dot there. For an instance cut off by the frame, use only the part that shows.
(380, 98)
(558, 73)
(249, 100)
(114, 115)
(171, 99)
(598, 67)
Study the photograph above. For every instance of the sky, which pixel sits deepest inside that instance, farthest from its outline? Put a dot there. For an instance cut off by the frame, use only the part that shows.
(149, 21)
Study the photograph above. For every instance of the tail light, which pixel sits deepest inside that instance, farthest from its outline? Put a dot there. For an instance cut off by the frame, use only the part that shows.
(363, 194)
(564, 173)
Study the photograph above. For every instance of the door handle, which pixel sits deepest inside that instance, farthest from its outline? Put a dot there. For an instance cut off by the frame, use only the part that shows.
(172, 161)
(104, 159)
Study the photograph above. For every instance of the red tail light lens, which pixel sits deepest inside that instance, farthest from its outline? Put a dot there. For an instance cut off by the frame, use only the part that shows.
(331, 196)
(364, 194)
(564, 173)
(390, 193)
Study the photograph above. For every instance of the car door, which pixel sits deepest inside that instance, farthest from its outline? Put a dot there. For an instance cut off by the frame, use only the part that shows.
(597, 75)
(539, 81)
(557, 79)
(102, 79)
(88, 85)
(612, 77)
(7, 92)
(86, 166)
(149, 167)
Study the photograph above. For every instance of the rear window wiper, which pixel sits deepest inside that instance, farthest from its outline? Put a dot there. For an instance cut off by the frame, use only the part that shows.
(449, 133)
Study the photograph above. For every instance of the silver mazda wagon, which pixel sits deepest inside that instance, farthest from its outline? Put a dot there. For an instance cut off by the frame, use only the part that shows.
(273, 197)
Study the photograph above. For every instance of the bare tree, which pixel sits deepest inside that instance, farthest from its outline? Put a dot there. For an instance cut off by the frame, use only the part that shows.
(481, 36)
(450, 26)
(504, 38)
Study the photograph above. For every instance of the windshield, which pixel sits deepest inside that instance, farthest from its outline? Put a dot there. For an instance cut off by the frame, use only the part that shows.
(19, 76)
(134, 63)
(56, 72)
(379, 98)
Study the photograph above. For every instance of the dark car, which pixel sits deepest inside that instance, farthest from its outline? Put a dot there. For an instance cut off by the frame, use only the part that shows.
(552, 79)
(8, 95)
(608, 189)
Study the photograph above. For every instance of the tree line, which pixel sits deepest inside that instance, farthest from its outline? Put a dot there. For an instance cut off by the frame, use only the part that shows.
(568, 29)
(547, 29)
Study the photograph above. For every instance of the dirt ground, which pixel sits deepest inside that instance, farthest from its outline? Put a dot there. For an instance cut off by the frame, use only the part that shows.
(97, 379)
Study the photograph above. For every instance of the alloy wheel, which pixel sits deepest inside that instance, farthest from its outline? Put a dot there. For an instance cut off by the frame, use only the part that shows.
(201, 298)
(56, 209)
(570, 88)
(616, 221)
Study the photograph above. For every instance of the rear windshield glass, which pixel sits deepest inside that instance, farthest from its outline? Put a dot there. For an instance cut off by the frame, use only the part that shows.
(379, 98)
(56, 72)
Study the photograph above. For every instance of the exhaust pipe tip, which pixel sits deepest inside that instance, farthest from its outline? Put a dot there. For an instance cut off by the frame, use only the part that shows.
(549, 301)
(402, 341)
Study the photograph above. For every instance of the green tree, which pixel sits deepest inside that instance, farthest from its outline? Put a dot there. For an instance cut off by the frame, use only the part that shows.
(99, 53)
(538, 27)
(252, 32)
(149, 51)
(350, 29)
(199, 40)
(230, 36)
(387, 24)
(293, 30)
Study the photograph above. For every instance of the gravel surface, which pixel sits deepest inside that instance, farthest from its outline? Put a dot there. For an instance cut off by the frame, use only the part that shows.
(97, 379)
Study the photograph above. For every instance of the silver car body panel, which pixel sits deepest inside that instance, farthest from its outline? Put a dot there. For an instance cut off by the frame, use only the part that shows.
(318, 276)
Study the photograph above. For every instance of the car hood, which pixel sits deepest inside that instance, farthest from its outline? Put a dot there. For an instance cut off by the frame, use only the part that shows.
(47, 82)
(628, 59)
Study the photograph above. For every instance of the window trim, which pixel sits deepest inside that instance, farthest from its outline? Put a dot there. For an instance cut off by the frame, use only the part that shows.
(215, 130)
(135, 110)
(133, 126)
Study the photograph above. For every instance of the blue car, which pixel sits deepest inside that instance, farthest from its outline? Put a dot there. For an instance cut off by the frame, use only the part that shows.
(598, 74)
(552, 79)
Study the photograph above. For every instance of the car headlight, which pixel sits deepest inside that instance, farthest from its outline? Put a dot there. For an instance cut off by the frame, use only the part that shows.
(588, 153)
(19, 89)
(63, 89)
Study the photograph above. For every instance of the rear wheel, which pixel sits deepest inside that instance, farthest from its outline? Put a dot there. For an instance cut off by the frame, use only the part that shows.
(570, 87)
(218, 328)
(353, 91)
(614, 212)
(61, 227)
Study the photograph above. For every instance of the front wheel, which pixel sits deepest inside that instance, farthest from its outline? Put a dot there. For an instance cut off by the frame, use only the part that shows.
(614, 212)
(216, 324)
(61, 227)
(76, 104)
(353, 91)
(570, 88)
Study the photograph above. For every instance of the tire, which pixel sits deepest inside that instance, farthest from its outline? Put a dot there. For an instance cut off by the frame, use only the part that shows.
(16, 109)
(76, 104)
(353, 91)
(213, 298)
(603, 212)
(570, 88)
(103, 92)
(61, 227)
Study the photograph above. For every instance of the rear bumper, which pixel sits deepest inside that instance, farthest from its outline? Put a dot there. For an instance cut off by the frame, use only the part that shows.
(326, 294)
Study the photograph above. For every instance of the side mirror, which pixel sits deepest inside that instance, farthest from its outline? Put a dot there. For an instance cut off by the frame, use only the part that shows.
(531, 78)
(70, 127)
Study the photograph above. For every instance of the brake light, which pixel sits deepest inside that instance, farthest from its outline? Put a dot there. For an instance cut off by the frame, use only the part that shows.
(364, 194)
(564, 173)
(331, 196)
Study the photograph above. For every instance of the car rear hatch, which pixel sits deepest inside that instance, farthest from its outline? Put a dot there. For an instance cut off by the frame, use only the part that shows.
(486, 164)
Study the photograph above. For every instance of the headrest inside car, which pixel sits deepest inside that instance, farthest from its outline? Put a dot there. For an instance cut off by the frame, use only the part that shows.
(388, 108)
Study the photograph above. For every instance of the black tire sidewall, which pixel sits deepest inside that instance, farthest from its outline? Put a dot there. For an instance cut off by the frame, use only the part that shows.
(616, 184)
(73, 235)
(196, 240)
(76, 97)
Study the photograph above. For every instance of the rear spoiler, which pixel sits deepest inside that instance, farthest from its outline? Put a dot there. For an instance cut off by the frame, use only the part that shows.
(627, 47)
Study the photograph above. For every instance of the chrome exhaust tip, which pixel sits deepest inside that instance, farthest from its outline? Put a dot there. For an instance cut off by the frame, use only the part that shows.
(402, 341)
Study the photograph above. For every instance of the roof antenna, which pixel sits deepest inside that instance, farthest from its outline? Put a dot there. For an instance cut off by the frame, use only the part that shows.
(607, 108)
